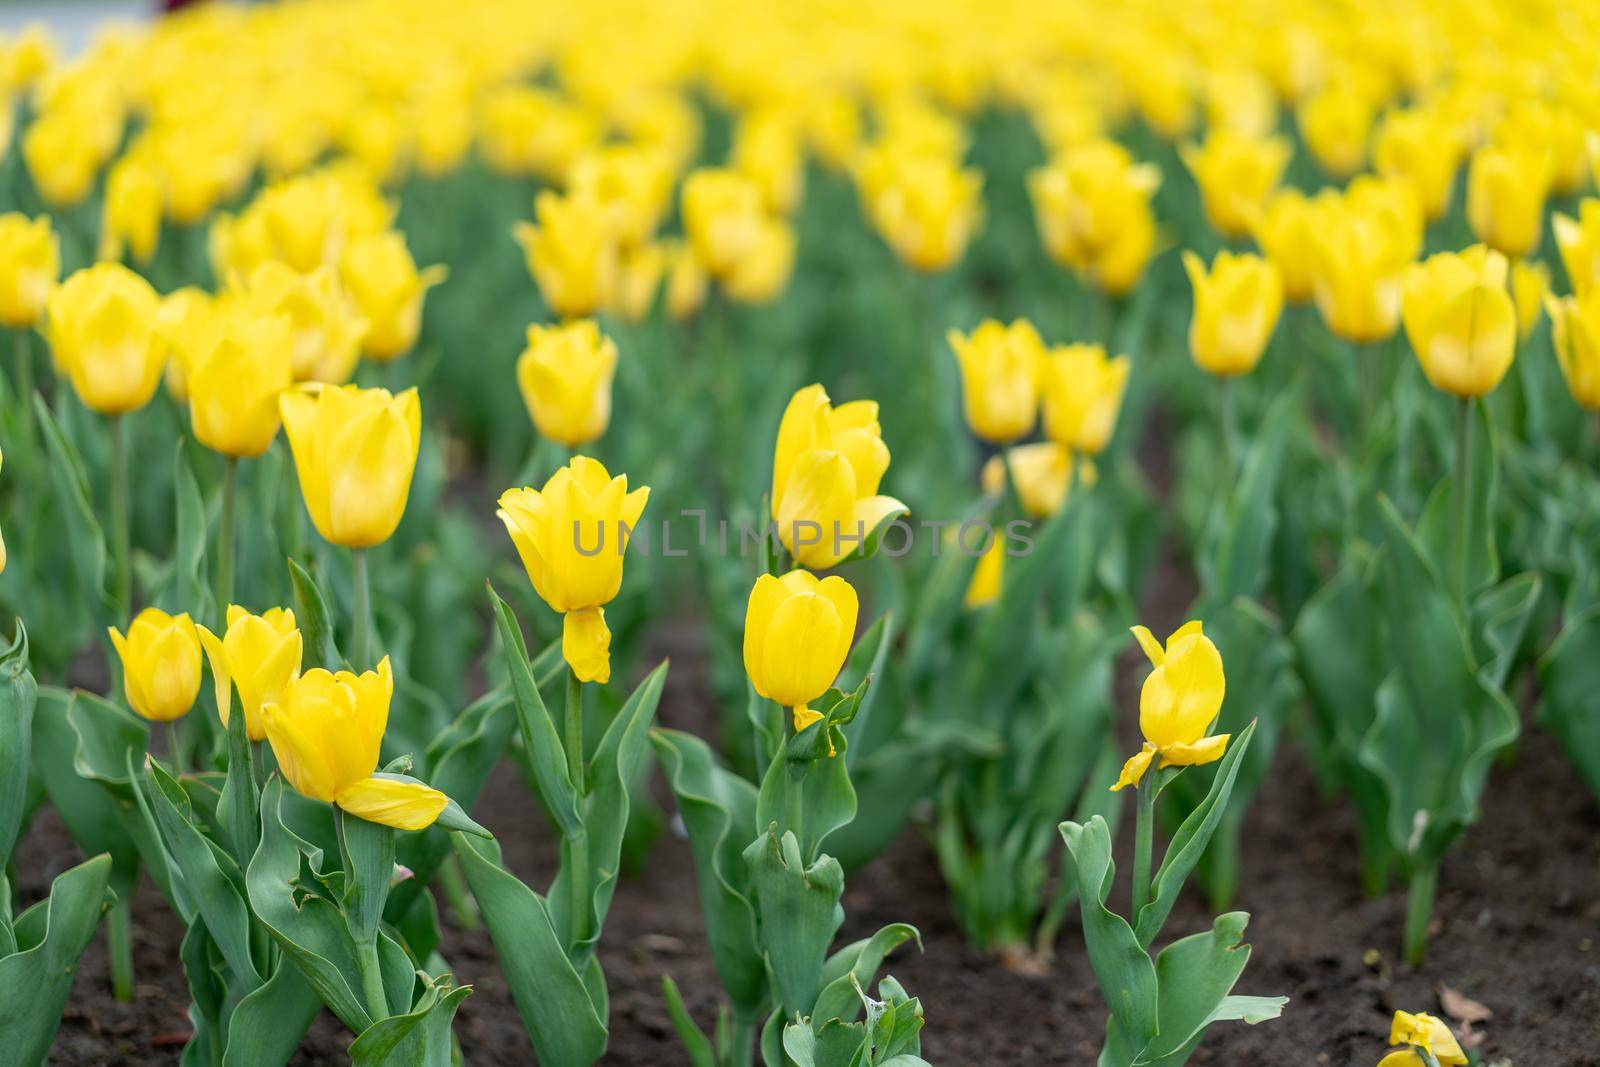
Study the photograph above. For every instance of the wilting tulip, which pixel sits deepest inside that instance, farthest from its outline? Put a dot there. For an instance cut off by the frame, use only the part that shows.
(1530, 281)
(1460, 320)
(1506, 189)
(565, 374)
(1578, 240)
(233, 387)
(131, 217)
(1335, 123)
(1236, 174)
(1178, 703)
(1422, 149)
(1575, 329)
(325, 330)
(1083, 391)
(326, 730)
(1043, 474)
(1286, 232)
(355, 451)
(101, 324)
(383, 281)
(797, 635)
(571, 536)
(1236, 308)
(1092, 206)
(687, 282)
(826, 469)
(571, 253)
(1422, 1032)
(928, 211)
(999, 378)
(988, 575)
(633, 184)
(30, 263)
(723, 217)
(160, 664)
(259, 655)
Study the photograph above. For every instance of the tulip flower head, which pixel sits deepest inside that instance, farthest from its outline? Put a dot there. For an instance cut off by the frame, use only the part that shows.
(355, 451)
(1427, 1041)
(1236, 174)
(927, 210)
(1286, 233)
(131, 216)
(639, 272)
(768, 149)
(30, 263)
(1506, 189)
(633, 183)
(1578, 240)
(565, 374)
(1043, 473)
(386, 288)
(160, 664)
(687, 282)
(987, 577)
(1178, 704)
(326, 730)
(325, 329)
(571, 253)
(797, 634)
(190, 322)
(763, 274)
(723, 214)
(571, 536)
(1575, 329)
(1083, 391)
(826, 470)
(1236, 308)
(1460, 320)
(1423, 149)
(234, 385)
(1000, 368)
(259, 655)
(1335, 123)
(101, 324)
(1362, 244)
(1093, 210)
(1530, 281)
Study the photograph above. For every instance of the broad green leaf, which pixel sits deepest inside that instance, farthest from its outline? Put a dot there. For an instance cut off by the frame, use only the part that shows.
(18, 697)
(695, 1043)
(266, 1026)
(315, 619)
(853, 967)
(1194, 976)
(418, 1038)
(539, 737)
(36, 980)
(1236, 562)
(88, 543)
(1569, 675)
(1436, 529)
(798, 907)
(1122, 966)
(865, 664)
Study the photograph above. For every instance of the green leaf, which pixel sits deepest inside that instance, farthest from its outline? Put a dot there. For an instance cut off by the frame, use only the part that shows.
(1194, 976)
(1569, 676)
(18, 697)
(420, 1037)
(1237, 561)
(186, 588)
(1500, 624)
(853, 967)
(315, 619)
(88, 543)
(1122, 967)
(695, 1043)
(798, 907)
(266, 1026)
(239, 807)
(1436, 529)
(865, 663)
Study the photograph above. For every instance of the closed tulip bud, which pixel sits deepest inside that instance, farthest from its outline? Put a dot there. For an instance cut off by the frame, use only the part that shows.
(1286, 232)
(797, 634)
(983, 588)
(160, 664)
(1092, 207)
(687, 283)
(1460, 320)
(355, 451)
(634, 186)
(1241, 101)
(63, 157)
(999, 378)
(826, 470)
(1083, 391)
(571, 253)
(768, 150)
(1506, 189)
(101, 324)
(1364, 241)
(1236, 174)
(387, 289)
(1043, 474)
(1578, 241)
(1236, 308)
(1422, 1032)
(326, 731)
(259, 655)
(1335, 124)
(638, 281)
(325, 330)
(1530, 281)
(1178, 703)
(1422, 149)
(233, 388)
(723, 217)
(763, 274)
(131, 217)
(929, 211)
(1575, 329)
(565, 374)
(30, 263)
(571, 536)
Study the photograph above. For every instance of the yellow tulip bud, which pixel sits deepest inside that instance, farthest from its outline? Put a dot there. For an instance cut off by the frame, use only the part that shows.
(28, 57)
(1575, 329)
(326, 731)
(639, 273)
(132, 213)
(761, 276)
(30, 263)
(565, 374)
(928, 210)
(1286, 232)
(1425, 1032)
(999, 378)
(1578, 241)
(633, 184)
(160, 664)
(1363, 243)
(1092, 206)
(101, 328)
(63, 157)
(571, 253)
(325, 330)
(1236, 308)
(768, 150)
(1083, 392)
(1178, 704)
(190, 322)
(1422, 149)
(1506, 188)
(233, 387)
(387, 290)
(797, 634)
(1460, 320)
(1240, 101)
(259, 655)
(687, 283)
(1335, 123)
(524, 130)
(722, 218)
(1530, 281)
(983, 588)
(355, 451)
(571, 536)
(1236, 174)
(826, 469)
(1043, 475)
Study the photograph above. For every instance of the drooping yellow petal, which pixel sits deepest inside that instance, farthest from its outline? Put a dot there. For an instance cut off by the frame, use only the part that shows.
(1152, 648)
(1206, 750)
(1134, 769)
(402, 805)
(586, 644)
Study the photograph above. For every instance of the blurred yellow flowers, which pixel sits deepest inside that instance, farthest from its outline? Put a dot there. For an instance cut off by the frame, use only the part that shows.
(234, 384)
(1335, 123)
(1422, 1031)
(1236, 174)
(1460, 320)
(926, 207)
(1506, 188)
(1286, 232)
(101, 324)
(387, 290)
(259, 655)
(1092, 205)
(1043, 473)
(160, 664)
(324, 329)
(1575, 328)
(722, 217)
(326, 730)
(1578, 240)
(571, 253)
(1000, 367)
(1178, 703)
(354, 450)
(797, 634)
(1362, 243)
(571, 536)
(131, 216)
(1422, 148)
(30, 263)
(1083, 391)
(565, 375)
(1236, 308)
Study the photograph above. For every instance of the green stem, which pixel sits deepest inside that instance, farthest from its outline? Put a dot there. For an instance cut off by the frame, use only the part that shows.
(120, 534)
(453, 881)
(119, 947)
(22, 378)
(175, 746)
(574, 732)
(1143, 843)
(578, 844)
(361, 641)
(1225, 428)
(371, 971)
(1419, 910)
(740, 1051)
(1463, 489)
(230, 493)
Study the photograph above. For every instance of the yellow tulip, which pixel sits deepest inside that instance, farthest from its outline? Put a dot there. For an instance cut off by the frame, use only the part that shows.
(723, 216)
(1530, 281)
(999, 378)
(1236, 308)
(1555, 129)
(1092, 206)
(1043, 473)
(929, 211)
(1575, 329)
(832, 122)
(565, 374)
(1286, 232)
(571, 536)
(687, 283)
(197, 170)
(160, 664)
(797, 634)
(28, 57)
(30, 263)
(1083, 392)
(1578, 241)
(1460, 320)
(233, 387)
(355, 451)
(1335, 123)
(1236, 174)
(131, 216)
(326, 731)
(1178, 703)
(259, 655)
(387, 290)
(63, 157)
(634, 184)
(1240, 101)
(571, 253)
(524, 130)
(761, 276)
(826, 469)
(1506, 188)
(101, 324)
(768, 150)
(1362, 244)
(190, 322)
(988, 575)
(325, 330)
(443, 124)
(1422, 149)
(639, 272)
(1422, 1031)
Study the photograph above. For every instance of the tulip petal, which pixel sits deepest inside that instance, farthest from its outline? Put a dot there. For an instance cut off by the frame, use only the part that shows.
(402, 805)
(1134, 769)
(586, 644)
(765, 596)
(1206, 750)
(801, 651)
(218, 657)
(1152, 648)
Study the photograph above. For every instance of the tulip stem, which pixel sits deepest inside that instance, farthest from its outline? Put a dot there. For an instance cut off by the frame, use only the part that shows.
(1225, 426)
(22, 379)
(361, 640)
(174, 746)
(120, 536)
(1463, 489)
(119, 948)
(1143, 843)
(230, 493)
(1419, 910)
(578, 844)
